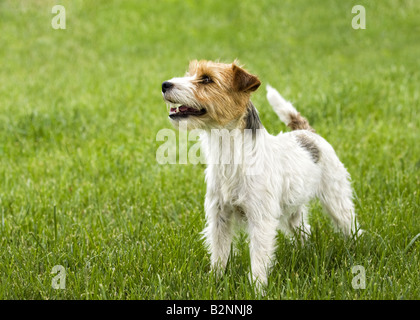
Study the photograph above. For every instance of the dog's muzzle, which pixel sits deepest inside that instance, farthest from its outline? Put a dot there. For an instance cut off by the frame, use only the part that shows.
(179, 110)
(166, 86)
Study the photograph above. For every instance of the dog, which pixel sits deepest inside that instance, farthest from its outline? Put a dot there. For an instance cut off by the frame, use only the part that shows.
(272, 191)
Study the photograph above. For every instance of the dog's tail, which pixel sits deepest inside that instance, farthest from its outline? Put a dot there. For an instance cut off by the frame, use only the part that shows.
(286, 112)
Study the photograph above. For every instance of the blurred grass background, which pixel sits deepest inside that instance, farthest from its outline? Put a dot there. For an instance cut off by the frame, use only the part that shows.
(80, 109)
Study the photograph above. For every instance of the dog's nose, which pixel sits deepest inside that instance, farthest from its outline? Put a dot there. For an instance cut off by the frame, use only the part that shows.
(166, 86)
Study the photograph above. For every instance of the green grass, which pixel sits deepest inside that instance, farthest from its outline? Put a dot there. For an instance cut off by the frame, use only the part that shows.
(80, 109)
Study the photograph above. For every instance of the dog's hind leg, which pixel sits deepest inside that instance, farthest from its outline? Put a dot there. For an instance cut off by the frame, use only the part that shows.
(294, 225)
(336, 197)
(298, 223)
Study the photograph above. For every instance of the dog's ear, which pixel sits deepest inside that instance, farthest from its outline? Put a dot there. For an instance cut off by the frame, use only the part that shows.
(244, 81)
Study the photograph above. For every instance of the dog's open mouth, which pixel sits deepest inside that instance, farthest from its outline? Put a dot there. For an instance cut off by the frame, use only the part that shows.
(185, 111)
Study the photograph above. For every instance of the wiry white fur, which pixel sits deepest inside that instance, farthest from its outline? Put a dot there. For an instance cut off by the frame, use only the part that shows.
(283, 108)
(182, 91)
(276, 197)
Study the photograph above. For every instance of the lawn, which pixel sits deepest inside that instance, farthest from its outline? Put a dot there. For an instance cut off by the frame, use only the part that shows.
(80, 109)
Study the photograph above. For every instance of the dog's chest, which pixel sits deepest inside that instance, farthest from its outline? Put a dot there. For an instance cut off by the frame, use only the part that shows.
(227, 182)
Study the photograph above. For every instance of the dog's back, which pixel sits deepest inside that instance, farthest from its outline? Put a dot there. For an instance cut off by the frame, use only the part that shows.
(334, 189)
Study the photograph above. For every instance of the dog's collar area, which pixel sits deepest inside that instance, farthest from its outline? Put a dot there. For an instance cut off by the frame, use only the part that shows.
(185, 111)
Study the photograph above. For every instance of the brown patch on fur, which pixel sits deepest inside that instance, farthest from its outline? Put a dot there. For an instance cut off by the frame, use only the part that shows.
(297, 122)
(243, 81)
(227, 96)
(308, 144)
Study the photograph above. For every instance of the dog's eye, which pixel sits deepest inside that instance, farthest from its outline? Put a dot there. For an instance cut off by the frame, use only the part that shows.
(206, 79)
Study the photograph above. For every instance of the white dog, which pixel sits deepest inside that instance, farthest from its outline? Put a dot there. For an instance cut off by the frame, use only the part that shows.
(272, 191)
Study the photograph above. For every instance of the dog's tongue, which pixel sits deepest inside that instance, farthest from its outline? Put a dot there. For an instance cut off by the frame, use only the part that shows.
(181, 109)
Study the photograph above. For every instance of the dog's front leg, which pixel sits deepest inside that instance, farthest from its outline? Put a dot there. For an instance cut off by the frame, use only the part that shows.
(262, 230)
(218, 232)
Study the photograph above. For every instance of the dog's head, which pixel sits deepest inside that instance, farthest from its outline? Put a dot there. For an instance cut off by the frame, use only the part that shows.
(210, 95)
